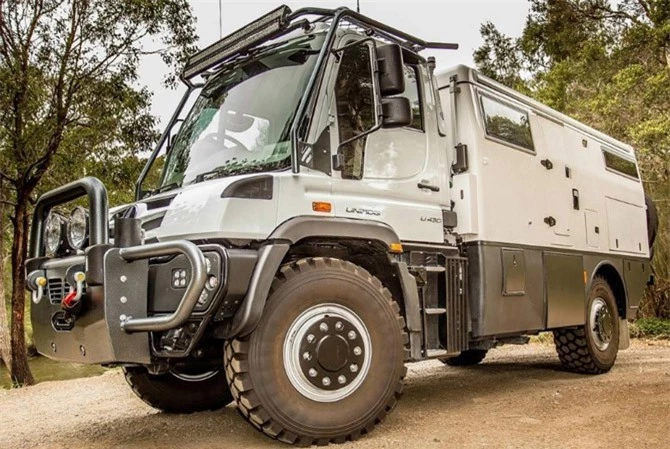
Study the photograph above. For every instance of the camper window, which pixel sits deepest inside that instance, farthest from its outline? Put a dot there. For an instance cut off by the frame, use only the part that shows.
(619, 164)
(507, 123)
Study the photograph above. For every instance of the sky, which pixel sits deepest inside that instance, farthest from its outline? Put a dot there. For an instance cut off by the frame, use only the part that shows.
(437, 20)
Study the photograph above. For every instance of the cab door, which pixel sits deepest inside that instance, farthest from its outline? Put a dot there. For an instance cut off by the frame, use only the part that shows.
(391, 175)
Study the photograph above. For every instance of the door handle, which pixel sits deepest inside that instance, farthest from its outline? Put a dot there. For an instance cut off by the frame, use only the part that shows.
(575, 199)
(424, 185)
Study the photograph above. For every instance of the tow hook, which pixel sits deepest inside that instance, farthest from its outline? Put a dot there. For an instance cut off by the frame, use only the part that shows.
(72, 299)
(36, 283)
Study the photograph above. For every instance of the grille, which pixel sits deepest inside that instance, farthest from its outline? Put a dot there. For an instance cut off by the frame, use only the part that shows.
(56, 288)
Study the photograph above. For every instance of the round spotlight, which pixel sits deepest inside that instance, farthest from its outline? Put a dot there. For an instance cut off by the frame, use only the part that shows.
(77, 230)
(212, 282)
(53, 233)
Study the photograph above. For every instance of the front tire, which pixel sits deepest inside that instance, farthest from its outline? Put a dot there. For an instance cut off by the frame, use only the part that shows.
(326, 362)
(592, 348)
(184, 391)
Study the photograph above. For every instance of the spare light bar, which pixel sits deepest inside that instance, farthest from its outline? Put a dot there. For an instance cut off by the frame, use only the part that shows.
(266, 26)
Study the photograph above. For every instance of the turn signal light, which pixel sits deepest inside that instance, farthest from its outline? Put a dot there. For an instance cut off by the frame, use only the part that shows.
(321, 206)
(396, 248)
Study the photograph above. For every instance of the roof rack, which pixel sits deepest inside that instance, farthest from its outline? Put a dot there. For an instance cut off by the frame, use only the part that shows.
(281, 21)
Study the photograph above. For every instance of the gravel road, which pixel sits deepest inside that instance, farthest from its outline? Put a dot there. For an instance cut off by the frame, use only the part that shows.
(519, 397)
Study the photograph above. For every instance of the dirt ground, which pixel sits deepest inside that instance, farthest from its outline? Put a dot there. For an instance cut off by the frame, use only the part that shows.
(520, 397)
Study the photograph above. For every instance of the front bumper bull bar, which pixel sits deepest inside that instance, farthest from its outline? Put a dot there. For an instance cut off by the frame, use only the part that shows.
(113, 326)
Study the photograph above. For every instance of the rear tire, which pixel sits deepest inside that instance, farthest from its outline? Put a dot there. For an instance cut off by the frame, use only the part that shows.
(466, 358)
(292, 390)
(592, 348)
(174, 392)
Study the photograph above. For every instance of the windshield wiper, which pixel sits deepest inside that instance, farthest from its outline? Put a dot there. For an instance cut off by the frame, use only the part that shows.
(216, 173)
(236, 169)
(165, 188)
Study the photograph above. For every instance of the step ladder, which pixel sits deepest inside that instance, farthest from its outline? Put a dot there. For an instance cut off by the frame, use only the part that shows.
(443, 301)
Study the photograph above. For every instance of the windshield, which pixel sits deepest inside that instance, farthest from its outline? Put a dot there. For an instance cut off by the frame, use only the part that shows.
(241, 122)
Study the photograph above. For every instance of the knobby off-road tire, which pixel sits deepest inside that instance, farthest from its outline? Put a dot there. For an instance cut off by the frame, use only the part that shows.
(466, 358)
(174, 392)
(324, 318)
(593, 348)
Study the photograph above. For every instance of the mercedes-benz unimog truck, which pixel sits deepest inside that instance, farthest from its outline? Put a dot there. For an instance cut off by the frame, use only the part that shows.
(322, 209)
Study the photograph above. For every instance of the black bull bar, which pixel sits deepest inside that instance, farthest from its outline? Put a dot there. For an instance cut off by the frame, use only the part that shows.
(114, 326)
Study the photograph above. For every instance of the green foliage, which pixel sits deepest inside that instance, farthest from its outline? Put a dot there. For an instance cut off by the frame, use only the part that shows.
(651, 328)
(606, 64)
(70, 105)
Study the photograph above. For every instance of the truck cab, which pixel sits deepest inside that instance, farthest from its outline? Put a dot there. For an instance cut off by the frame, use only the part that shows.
(323, 208)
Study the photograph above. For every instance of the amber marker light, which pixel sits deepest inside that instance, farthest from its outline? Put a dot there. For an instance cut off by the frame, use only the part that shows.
(585, 278)
(396, 248)
(322, 206)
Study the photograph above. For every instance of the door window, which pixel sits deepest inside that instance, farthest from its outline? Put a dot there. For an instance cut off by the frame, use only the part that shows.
(412, 94)
(355, 100)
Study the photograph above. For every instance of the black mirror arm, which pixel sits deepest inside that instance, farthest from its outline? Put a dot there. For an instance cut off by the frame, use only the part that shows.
(337, 51)
(171, 136)
(337, 165)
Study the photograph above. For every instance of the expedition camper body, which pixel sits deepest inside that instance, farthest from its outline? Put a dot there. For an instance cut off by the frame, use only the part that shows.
(329, 210)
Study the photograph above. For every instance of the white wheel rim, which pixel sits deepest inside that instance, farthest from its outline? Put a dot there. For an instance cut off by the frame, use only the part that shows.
(306, 334)
(601, 324)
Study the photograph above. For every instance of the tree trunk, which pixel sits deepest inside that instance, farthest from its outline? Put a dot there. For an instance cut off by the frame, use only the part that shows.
(5, 350)
(20, 371)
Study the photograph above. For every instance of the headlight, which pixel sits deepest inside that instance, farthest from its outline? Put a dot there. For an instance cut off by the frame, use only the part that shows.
(53, 233)
(77, 229)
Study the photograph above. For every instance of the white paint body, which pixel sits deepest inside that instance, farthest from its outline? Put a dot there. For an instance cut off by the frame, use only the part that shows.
(503, 197)
(506, 194)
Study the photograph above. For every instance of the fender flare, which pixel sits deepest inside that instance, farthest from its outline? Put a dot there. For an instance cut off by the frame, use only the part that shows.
(303, 227)
(271, 256)
(606, 263)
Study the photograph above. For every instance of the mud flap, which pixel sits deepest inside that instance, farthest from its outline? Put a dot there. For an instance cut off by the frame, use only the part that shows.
(624, 335)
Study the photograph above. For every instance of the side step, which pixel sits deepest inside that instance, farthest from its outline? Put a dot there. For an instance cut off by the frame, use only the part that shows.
(442, 285)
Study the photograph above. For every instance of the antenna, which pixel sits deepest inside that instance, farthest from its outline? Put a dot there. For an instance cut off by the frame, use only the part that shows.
(358, 6)
(220, 21)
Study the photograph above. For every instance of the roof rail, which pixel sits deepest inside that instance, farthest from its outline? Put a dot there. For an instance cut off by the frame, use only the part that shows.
(281, 21)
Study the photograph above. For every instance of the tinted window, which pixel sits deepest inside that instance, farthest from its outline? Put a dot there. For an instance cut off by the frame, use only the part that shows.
(507, 123)
(354, 94)
(619, 164)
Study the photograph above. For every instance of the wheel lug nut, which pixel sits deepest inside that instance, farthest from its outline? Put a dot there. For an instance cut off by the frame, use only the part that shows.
(307, 356)
(312, 372)
(353, 368)
(323, 327)
(341, 380)
(325, 381)
(351, 335)
(357, 350)
(311, 338)
(339, 325)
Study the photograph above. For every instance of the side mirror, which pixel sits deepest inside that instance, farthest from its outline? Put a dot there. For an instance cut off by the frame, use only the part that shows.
(391, 70)
(172, 135)
(397, 112)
